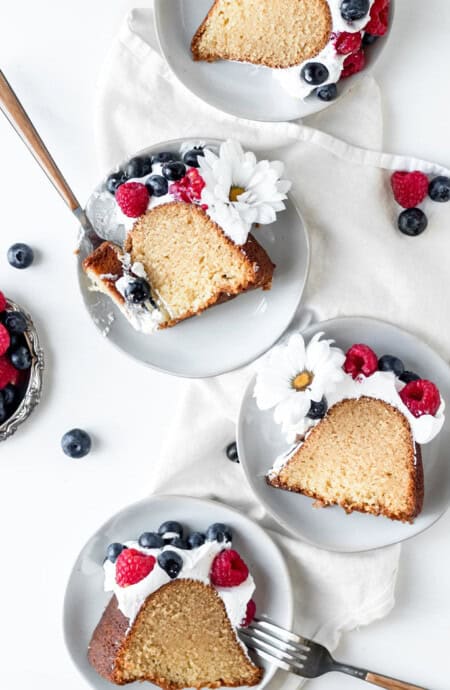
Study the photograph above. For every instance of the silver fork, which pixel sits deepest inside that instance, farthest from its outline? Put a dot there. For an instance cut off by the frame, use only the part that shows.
(304, 657)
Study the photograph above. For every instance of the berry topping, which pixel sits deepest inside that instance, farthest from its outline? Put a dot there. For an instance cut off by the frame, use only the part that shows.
(174, 170)
(360, 359)
(21, 358)
(379, 18)
(232, 452)
(412, 222)
(391, 363)
(191, 157)
(137, 291)
(421, 397)
(2, 302)
(20, 255)
(219, 532)
(318, 410)
(346, 42)
(8, 374)
(249, 614)
(9, 394)
(165, 157)
(353, 64)
(314, 73)
(228, 569)
(138, 167)
(157, 185)
(151, 540)
(196, 539)
(180, 543)
(15, 322)
(170, 530)
(189, 188)
(439, 189)
(113, 551)
(5, 339)
(410, 188)
(327, 93)
(114, 181)
(352, 10)
(132, 566)
(76, 443)
(171, 562)
(133, 198)
(409, 376)
(369, 39)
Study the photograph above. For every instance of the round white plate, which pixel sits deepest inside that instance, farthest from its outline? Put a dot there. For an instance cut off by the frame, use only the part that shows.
(260, 442)
(243, 90)
(229, 335)
(85, 599)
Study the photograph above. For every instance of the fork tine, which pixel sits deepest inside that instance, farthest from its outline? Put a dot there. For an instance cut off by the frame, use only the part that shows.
(282, 634)
(276, 653)
(283, 646)
(276, 662)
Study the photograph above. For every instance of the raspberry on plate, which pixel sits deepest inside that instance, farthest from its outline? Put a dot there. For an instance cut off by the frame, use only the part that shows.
(409, 188)
(421, 397)
(2, 302)
(5, 339)
(228, 569)
(132, 566)
(133, 198)
(249, 614)
(346, 42)
(8, 374)
(353, 64)
(379, 18)
(360, 359)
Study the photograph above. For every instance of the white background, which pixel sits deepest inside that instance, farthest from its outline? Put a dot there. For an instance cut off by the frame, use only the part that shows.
(49, 505)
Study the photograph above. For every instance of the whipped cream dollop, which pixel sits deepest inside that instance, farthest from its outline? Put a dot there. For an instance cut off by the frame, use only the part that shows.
(144, 316)
(196, 566)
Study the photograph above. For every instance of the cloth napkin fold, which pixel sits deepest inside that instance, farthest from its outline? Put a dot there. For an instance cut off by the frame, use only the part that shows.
(361, 265)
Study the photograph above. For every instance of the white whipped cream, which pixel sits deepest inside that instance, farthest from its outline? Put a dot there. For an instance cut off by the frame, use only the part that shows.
(196, 566)
(143, 317)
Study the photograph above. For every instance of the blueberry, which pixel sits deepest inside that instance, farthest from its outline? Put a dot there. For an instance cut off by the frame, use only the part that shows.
(174, 171)
(170, 530)
(391, 363)
(196, 539)
(9, 394)
(314, 73)
(409, 376)
(14, 341)
(138, 167)
(137, 291)
(232, 452)
(113, 551)
(76, 443)
(180, 543)
(165, 157)
(21, 358)
(114, 181)
(318, 410)
(151, 540)
(327, 93)
(3, 413)
(171, 562)
(157, 185)
(15, 322)
(352, 10)
(412, 222)
(439, 189)
(191, 157)
(20, 255)
(219, 532)
(369, 39)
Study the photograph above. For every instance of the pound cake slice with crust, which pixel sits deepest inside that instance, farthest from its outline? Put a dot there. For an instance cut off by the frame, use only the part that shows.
(274, 33)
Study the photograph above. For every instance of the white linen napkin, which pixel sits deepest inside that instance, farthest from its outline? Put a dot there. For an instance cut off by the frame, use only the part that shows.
(361, 265)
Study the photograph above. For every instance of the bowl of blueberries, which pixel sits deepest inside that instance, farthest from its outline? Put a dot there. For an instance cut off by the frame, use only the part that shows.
(21, 367)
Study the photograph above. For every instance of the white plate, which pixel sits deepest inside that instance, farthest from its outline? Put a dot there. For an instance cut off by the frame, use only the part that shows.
(85, 599)
(229, 335)
(260, 441)
(247, 91)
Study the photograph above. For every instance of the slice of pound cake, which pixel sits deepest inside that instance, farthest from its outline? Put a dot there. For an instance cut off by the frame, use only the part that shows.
(356, 423)
(177, 604)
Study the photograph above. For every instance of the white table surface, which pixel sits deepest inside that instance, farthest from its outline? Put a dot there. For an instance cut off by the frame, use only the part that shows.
(49, 504)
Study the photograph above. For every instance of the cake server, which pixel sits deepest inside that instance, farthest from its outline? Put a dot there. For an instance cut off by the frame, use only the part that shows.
(304, 657)
(12, 108)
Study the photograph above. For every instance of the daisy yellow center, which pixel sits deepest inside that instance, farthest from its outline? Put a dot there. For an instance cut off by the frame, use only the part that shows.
(302, 381)
(235, 192)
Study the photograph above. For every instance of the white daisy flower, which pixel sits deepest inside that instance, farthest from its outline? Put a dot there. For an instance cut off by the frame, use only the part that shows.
(293, 376)
(240, 190)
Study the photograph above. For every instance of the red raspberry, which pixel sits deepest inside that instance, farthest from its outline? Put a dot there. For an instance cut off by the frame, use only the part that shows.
(360, 359)
(346, 42)
(132, 566)
(421, 397)
(2, 302)
(379, 18)
(5, 339)
(353, 63)
(410, 188)
(8, 373)
(228, 569)
(133, 198)
(189, 188)
(249, 614)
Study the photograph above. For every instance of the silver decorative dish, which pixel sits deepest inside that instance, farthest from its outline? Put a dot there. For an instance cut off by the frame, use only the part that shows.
(33, 387)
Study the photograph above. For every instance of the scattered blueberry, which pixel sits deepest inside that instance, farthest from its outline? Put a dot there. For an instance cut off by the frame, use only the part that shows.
(164, 157)
(174, 170)
(113, 551)
(21, 358)
(232, 452)
(369, 39)
(157, 185)
(219, 532)
(151, 540)
(327, 93)
(191, 157)
(318, 410)
(114, 181)
(20, 255)
(138, 167)
(314, 73)
(170, 530)
(137, 291)
(8, 394)
(180, 543)
(352, 10)
(15, 322)
(409, 376)
(439, 189)
(76, 443)
(171, 562)
(391, 363)
(412, 222)
(196, 539)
